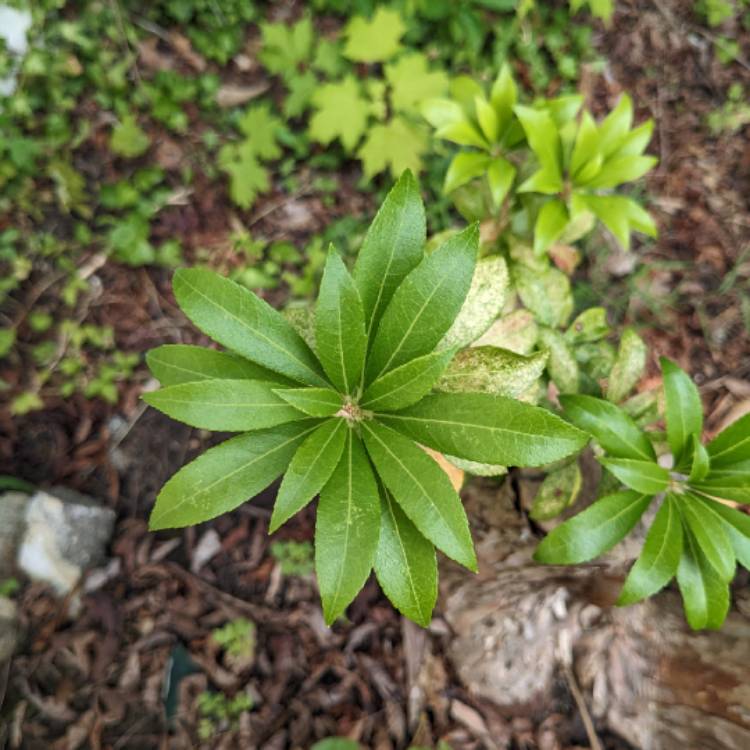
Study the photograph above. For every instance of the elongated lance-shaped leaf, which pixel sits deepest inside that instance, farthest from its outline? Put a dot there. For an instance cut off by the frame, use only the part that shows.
(593, 531)
(709, 533)
(347, 529)
(405, 564)
(704, 594)
(173, 364)
(700, 463)
(228, 405)
(613, 429)
(737, 526)
(423, 491)
(407, 384)
(392, 247)
(641, 476)
(340, 338)
(487, 428)
(731, 445)
(657, 564)
(425, 305)
(684, 409)
(226, 476)
(310, 469)
(317, 402)
(736, 489)
(244, 323)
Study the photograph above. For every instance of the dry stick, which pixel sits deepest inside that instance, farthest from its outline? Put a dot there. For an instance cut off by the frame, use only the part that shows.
(582, 707)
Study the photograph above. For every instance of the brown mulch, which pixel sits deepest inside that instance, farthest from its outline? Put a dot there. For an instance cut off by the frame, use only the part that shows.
(97, 680)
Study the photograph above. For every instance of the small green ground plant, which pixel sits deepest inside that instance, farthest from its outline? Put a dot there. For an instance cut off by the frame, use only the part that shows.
(343, 414)
(696, 535)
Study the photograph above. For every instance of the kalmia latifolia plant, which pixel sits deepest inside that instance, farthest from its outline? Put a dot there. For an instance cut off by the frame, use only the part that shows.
(346, 414)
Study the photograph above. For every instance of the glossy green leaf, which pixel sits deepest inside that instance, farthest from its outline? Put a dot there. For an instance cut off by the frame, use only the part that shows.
(392, 247)
(658, 561)
(612, 211)
(241, 321)
(406, 384)
(340, 336)
(228, 405)
(615, 127)
(641, 476)
(586, 145)
(614, 430)
(347, 529)
(309, 470)
(684, 409)
(173, 364)
(316, 402)
(405, 564)
(737, 526)
(487, 428)
(423, 491)
(727, 489)
(504, 94)
(558, 491)
(732, 445)
(543, 137)
(593, 531)
(701, 462)
(463, 133)
(226, 476)
(484, 302)
(488, 369)
(500, 176)
(440, 111)
(635, 142)
(621, 169)
(628, 368)
(710, 535)
(550, 224)
(464, 167)
(425, 305)
(704, 594)
(487, 119)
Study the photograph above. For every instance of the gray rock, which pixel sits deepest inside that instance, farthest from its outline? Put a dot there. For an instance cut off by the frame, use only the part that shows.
(65, 533)
(8, 629)
(12, 512)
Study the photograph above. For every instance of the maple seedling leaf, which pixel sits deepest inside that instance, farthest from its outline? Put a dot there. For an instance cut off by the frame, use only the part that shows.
(260, 128)
(376, 39)
(397, 145)
(341, 112)
(285, 48)
(247, 176)
(412, 82)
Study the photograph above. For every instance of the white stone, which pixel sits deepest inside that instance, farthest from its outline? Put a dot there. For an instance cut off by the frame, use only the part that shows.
(65, 534)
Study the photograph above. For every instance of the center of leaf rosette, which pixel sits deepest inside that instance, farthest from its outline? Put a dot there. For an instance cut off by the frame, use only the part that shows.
(352, 412)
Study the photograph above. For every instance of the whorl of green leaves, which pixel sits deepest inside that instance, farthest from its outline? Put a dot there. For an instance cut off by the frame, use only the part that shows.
(346, 418)
(697, 535)
(549, 159)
